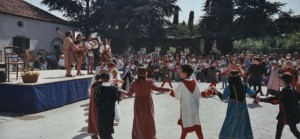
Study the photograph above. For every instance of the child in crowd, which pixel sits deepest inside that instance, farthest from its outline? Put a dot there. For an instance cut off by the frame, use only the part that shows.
(273, 84)
(224, 75)
(176, 71)
(61, 62)
(188, 93)
(105, 98)
(165, 72)
(150, 69)
(256, 74)
(127, 77)
(289, 113)
(212, 74)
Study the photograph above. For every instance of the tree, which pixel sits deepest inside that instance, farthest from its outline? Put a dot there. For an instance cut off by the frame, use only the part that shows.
(228, 20)
(117, 17)
(191, 23)
(175, 18)
(77, 11)
(217, 23)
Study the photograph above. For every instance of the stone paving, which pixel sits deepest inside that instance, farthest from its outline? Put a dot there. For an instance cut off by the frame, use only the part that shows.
(70, 121)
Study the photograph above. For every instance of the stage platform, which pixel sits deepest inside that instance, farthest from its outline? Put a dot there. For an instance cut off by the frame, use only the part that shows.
(52, 90)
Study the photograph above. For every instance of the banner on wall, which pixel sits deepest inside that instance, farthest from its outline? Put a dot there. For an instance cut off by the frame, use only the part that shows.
(172, 49)
(187, 50)
(157, 49)
(155, 54)
(144, 49)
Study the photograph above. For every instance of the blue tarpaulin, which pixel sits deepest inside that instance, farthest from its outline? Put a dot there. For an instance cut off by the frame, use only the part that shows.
(36, 98)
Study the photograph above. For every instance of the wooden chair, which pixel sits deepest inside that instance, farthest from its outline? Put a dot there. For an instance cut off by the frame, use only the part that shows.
(2, 66)
(12, 57)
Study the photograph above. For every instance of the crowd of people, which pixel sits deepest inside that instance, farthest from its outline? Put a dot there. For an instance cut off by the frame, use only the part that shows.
(237, 73)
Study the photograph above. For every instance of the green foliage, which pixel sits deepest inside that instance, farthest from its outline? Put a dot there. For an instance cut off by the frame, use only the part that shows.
(227, 21)
(191, 22)
(180, 31)
(118, 18)
(291, 41)
(176, 17)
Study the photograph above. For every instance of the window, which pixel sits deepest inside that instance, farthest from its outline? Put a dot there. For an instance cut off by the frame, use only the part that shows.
(20, 24)
(22, 42)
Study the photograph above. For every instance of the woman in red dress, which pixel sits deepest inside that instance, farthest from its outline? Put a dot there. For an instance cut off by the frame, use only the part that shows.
(93, 115)
(143, 121)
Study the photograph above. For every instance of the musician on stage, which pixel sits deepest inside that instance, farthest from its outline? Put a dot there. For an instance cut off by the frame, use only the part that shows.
(105, 51)
(69, 47)
(90, 45)
(80, 54)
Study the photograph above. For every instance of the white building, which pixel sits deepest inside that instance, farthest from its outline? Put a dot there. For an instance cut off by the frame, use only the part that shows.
(29, 27)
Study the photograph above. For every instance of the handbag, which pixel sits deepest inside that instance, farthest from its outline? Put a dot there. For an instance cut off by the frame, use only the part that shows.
(117, 112)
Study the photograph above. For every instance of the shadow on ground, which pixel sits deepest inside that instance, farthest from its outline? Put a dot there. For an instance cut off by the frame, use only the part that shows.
(85, 105)
(83, 133)
(254, 105)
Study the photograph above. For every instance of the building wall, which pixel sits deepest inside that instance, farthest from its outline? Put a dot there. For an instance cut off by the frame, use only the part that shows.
(42, 34)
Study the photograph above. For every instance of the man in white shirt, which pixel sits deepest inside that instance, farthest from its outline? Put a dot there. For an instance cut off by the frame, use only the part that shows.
(89, 44)
(119, 64)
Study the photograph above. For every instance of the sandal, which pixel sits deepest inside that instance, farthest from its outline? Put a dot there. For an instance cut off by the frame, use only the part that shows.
(69, 75)
(95, 136)
(80, 74)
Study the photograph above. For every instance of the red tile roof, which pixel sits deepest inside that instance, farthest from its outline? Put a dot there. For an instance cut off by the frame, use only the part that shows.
(24, 9)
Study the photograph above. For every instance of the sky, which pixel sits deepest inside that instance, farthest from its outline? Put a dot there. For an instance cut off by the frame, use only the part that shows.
(187, 6)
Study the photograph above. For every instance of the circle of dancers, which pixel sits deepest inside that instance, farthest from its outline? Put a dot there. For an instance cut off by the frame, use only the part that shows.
(238, 74)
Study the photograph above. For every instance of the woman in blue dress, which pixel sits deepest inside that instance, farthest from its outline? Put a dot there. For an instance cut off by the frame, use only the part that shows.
(237, 123)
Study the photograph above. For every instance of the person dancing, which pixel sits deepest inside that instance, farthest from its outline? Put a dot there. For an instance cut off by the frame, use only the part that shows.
(143, 121)
(237, 123)
(105, 98)
(189, 94)
(93, 115)
(289, 113)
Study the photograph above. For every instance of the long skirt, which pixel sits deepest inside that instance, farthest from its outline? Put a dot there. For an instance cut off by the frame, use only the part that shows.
(143, 121)
(69, 58)
(93, 114)
(237, 123)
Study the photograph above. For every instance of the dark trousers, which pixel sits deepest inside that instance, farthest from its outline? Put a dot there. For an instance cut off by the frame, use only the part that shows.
(258, 90)
(202, 76)
(293, 129)
(108, 136)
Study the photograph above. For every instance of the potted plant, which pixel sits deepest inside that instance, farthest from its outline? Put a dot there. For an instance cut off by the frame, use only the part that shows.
(30, 76)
